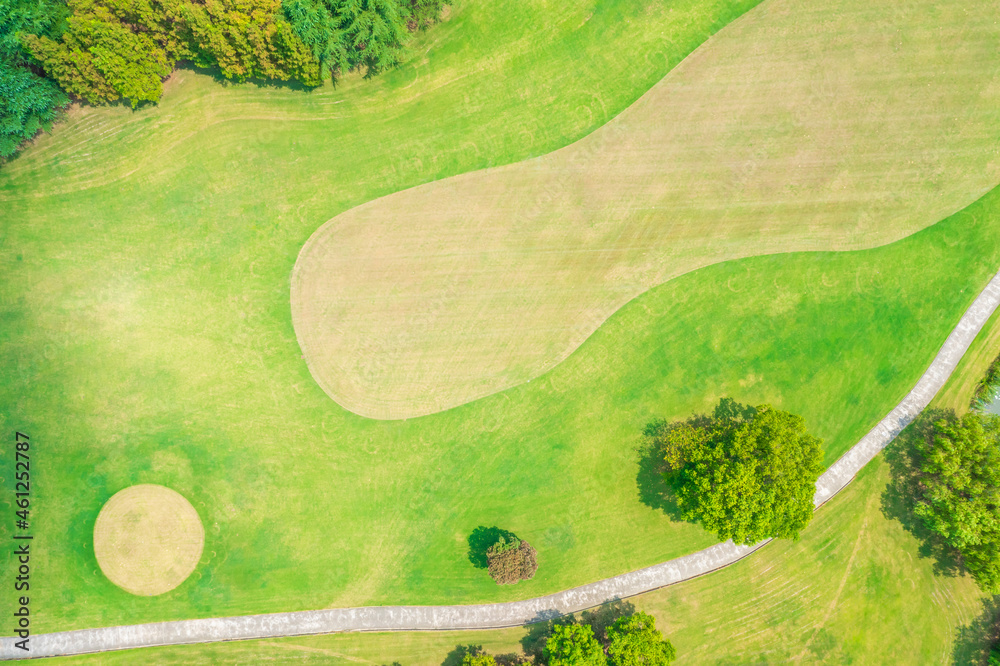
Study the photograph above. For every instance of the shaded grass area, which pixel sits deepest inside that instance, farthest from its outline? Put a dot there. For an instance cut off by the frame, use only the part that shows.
(960, 390)
(480, 541)
(146, 335)
(855, 589)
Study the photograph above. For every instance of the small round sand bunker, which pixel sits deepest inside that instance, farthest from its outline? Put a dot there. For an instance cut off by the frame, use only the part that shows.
(148, 539)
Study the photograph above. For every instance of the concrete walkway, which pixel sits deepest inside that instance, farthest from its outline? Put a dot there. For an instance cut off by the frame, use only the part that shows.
(492, 616)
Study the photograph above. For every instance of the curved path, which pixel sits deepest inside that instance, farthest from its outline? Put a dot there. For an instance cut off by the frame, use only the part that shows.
(493, 616)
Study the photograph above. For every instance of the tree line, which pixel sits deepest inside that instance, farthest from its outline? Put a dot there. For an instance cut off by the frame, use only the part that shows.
(103, 51)
(948, 474)
(616, 634)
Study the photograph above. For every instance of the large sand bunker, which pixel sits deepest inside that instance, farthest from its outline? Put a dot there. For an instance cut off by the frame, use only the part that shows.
(803, 126)
(148, 539)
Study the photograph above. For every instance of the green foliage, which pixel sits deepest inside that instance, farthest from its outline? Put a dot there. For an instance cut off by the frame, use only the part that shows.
(989, 386)
(746, 473)
(374, 31)
(28, 102)
(479, 659)
(574, 645)
(423, 13)
(504, 545)
(354, 34)
(44, 17)
(104, 56)
(248, 39)
(959, 490)
(320, 31)
(634, 640)
(115, 49)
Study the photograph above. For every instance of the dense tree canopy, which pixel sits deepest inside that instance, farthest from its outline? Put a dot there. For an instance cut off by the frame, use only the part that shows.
(746, 473)
(574, 645)
(353, 34)
(959, 490)
(102, 56)
(102, 51)
(248, 39)
(116, 49)
(614, 635)
(28, 101)
(634, 640)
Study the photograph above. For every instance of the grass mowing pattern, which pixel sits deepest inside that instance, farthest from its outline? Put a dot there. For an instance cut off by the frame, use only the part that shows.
(147, 339)
(802, 126)
(855, 589)
(339, 510)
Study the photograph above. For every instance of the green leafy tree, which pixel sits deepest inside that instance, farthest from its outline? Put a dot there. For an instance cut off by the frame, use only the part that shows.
(959, 490)
(249, 39)
(374, 32)
(746, 473)
(102, 58)
(574, 645)
(634, 640)
(358, 34)
(320, 31)
(480, 659)
(28, 102)
(423, 13)
(115, 49)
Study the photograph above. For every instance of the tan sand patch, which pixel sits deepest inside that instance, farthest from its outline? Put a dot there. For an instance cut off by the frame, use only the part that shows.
(148, 539)
(802, 126)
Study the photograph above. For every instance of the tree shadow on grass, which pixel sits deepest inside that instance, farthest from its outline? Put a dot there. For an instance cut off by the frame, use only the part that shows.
(974, 640)
(539, 630)
(216, 73)
(900, 496)
(479, 542)
(456, 656)
(654, 491)
(599, 619)
(605, 615)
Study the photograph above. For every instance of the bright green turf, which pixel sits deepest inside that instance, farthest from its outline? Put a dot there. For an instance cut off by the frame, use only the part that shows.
(855, 589)
(146, 335)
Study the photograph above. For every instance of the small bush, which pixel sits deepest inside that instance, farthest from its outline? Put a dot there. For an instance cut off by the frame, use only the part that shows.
(511, 560)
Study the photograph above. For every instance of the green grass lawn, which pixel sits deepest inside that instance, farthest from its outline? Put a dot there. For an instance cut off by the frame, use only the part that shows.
(856, 589)
(147, 338)
(800, 127)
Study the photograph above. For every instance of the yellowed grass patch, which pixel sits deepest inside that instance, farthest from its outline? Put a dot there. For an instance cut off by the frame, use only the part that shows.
(802, 126)
(148, 539)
